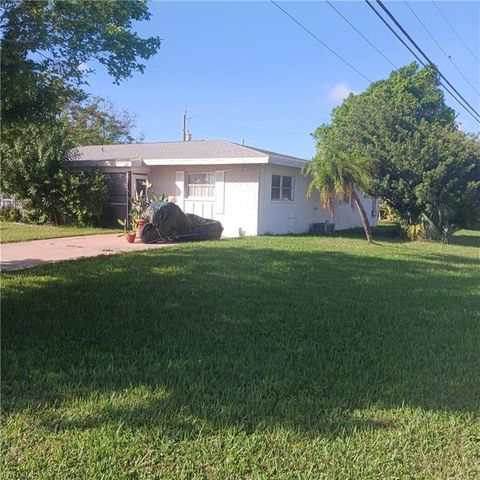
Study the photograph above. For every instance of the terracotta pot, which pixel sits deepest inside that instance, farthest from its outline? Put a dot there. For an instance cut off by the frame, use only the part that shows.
(130, 237)
(140, 223)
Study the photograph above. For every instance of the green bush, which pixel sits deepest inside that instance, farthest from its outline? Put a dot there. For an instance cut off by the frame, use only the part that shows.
(37, 170)
(85, 197)
(10, 214)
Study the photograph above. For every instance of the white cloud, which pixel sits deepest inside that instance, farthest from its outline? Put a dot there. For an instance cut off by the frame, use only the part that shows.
(339, 92)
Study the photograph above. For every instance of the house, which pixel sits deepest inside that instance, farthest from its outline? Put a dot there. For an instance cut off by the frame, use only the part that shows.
(250, 190)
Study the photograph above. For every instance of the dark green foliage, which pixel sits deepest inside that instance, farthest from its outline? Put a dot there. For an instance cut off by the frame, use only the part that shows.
(46, 47)
(33, 170)
(36, 171)
(10, 214)
(85, 197)
(419, 162)
(47, 44)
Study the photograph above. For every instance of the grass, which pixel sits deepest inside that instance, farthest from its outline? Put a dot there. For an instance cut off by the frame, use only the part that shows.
(20, 232)
(286, 357)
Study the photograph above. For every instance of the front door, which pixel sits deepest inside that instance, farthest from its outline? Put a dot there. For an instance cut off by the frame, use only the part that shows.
(138, 184)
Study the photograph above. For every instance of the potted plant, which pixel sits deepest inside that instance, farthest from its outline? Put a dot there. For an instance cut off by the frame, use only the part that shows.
(129, 233)
(139, 204)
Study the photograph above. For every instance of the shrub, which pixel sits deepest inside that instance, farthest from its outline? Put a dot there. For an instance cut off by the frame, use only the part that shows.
(10, 214)
(85, 197)
(414, 232)
(36, 170)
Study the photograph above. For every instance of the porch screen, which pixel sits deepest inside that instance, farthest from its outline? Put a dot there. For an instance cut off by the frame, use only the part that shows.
(118, 195)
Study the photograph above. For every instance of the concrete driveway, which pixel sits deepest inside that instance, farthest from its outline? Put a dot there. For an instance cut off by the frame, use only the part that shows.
(15, 256)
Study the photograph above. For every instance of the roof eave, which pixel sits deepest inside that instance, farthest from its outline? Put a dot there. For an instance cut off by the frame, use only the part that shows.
(108, 163)
(287, 162)
(206, 161)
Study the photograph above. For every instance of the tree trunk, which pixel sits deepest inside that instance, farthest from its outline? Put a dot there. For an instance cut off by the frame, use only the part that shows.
(363, 216)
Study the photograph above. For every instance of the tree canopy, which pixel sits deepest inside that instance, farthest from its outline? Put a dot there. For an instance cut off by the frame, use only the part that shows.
(47, 44)
(95, 121)
(48, 47)
(419, 162)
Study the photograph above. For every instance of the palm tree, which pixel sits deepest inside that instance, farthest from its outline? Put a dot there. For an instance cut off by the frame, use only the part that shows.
(336, 175)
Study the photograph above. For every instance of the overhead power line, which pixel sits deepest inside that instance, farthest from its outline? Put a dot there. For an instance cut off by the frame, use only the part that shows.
(415, 55)
(455, 32)
(394, 32)
(361, 34)
(440, 47)
(464, 103)
(303, 27)
(412, 41)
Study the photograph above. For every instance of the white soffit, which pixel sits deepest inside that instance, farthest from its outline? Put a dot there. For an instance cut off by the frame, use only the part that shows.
(205, 161)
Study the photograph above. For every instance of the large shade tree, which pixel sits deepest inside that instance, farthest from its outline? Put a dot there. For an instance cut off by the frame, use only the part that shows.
(47, 46)
(419, 162)
(48, 49)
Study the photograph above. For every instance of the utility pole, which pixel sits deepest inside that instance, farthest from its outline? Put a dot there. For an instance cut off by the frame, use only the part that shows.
(187, 136)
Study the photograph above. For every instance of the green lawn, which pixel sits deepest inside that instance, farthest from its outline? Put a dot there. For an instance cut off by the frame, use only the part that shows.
(288, 357)
(19, 232)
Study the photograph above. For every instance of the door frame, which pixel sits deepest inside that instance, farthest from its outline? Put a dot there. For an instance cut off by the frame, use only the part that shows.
(133, 182)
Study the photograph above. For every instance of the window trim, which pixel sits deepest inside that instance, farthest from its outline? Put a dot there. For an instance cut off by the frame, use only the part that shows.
(199, 198)
(292, 189)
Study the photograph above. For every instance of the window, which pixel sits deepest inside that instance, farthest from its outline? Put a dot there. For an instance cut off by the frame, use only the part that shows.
(201, 185)
(282, 187)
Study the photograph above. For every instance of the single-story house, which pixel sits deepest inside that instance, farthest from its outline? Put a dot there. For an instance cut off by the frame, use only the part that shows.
(249, 190)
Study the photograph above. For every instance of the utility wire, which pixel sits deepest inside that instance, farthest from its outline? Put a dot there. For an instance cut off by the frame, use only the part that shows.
(395, 33)
(455, 32)
(440, 47)
(465, 105)
(412, 41)
(474, 114)
(414, 54)
(320, 41)
(361, 34)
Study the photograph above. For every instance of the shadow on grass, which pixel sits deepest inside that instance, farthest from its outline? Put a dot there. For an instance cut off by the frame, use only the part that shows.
(466, 240)
(389, 232)
(204, 338)
(393, 233)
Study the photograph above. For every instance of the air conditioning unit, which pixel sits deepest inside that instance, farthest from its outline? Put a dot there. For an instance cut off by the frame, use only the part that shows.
(330, 228)
(322, 228)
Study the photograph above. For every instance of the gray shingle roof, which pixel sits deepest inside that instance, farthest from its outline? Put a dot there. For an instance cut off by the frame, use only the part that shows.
(195, 149)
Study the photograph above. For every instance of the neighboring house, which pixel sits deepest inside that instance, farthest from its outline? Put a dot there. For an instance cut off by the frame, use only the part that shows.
(249, 190)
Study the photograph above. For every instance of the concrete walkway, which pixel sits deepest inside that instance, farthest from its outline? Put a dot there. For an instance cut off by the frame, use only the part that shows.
(15, 256)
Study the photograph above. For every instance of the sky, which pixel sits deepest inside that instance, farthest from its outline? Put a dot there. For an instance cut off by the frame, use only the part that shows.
(244, 71)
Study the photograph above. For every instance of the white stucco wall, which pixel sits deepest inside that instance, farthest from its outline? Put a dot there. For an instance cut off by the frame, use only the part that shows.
(346, 214)
(279, 217)
(240, 195)
(248, 204)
